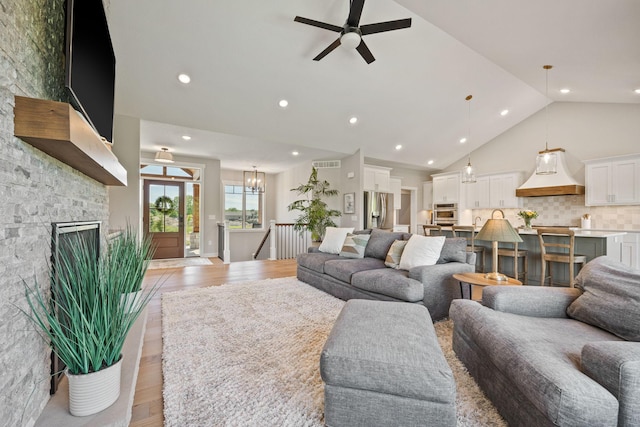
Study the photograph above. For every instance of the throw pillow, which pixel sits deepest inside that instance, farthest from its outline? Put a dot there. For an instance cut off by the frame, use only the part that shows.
(395, 253)
(354, 245)
(421, 250)
(610, 298)
(380, 242)
(453, 250)
(334, 239)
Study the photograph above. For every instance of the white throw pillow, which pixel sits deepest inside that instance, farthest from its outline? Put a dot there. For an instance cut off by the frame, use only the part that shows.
(421, 250)
(334, 239)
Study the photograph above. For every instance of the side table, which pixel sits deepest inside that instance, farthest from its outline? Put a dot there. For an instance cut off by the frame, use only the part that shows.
(478, 279)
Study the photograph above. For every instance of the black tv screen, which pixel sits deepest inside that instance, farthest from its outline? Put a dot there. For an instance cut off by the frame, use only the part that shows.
(90, 64)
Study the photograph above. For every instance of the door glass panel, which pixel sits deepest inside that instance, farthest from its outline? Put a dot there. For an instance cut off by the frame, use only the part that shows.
(164, 208)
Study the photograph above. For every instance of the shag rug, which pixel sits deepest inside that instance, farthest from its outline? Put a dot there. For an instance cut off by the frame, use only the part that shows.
(178, 262)
(248, 354)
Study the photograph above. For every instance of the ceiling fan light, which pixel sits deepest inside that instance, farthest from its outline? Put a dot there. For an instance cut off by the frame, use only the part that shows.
(350, 40)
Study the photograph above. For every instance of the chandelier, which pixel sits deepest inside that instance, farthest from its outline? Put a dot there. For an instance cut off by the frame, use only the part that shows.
(546, 160)
(254, 181)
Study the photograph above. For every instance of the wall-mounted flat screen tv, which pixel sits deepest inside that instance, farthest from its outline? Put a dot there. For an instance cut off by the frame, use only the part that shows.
(90, 64)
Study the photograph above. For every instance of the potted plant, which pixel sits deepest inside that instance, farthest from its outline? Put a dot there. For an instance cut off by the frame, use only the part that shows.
(315, 214)
(86, 320)
(527, 216)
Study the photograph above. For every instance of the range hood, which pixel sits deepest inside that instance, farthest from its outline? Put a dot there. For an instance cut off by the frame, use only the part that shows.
(560, 183)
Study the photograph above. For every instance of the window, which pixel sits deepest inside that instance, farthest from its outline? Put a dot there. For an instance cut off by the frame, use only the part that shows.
(243, 209)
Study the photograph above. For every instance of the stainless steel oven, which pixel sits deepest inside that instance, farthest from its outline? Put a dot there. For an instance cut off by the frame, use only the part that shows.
(445, 214)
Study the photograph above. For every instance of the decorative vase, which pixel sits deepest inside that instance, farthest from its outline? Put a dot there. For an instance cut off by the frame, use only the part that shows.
(527, 223)
(91, 393)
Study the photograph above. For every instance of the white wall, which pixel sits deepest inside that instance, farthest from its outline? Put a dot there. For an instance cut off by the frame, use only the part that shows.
(352, 164)
(584, 130)
(124, 202)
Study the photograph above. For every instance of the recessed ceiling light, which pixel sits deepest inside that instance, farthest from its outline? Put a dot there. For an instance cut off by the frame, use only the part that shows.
(283, 103)
(504, 112)
(463, 140)
(637, 91)
(430, 162)
(353, 120)
(294, 153)
(399, 147)
(565, 90)
(186, 137)
(184, 78)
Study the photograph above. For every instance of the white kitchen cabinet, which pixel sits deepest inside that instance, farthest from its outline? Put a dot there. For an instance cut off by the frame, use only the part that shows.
(377, 178)
(396, 190)
(502, 190)
(446, 188)
(630, 253)
(427, 195)
(478, 193)
(613, 181)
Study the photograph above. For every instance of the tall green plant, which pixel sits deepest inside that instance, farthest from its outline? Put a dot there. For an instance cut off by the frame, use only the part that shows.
(315, 214)
(85, 318)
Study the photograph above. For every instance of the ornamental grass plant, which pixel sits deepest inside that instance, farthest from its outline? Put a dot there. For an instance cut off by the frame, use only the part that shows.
(85, 318)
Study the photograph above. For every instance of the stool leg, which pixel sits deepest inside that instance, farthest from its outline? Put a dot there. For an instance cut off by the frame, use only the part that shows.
(544, 272)
(526, 270)
(515, 266)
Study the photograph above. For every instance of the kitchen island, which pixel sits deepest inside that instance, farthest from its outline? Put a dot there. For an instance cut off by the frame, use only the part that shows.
(592, 243)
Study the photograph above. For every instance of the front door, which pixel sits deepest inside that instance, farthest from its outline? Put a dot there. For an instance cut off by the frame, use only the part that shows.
(164, 217)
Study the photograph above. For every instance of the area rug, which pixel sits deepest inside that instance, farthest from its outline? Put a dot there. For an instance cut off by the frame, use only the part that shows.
(248, 354)
(178, 262)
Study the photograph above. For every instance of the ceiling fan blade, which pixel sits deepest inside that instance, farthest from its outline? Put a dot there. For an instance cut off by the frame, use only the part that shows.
(318, 24)
(381, 27)
(355, 11)
(328, 50)
(364, 51)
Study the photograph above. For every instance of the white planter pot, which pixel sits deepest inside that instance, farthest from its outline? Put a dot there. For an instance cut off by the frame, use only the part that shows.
(91, 393)
(131, 301)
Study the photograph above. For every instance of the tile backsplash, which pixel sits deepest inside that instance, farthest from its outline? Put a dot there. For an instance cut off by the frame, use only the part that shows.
(567, 211)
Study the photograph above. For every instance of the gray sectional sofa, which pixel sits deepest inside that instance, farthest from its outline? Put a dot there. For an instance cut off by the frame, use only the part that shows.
(557, 356)
(369, 278)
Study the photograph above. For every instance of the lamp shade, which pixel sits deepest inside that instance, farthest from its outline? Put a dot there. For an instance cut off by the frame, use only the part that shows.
(499, 230)
(164, 156)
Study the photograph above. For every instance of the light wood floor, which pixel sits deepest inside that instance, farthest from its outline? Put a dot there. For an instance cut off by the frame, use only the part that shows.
(147, 405)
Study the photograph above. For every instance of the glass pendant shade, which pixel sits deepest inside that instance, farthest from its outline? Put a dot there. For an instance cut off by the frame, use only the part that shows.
(254, 181)
(468, 174)
(546, 163)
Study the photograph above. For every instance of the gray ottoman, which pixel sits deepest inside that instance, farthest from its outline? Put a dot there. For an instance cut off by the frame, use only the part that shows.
(382, 366)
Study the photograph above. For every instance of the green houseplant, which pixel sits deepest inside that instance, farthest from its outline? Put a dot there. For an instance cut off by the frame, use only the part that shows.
(86, 319)
(315, 214)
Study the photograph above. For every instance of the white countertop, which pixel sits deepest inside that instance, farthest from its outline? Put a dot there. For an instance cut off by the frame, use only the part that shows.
(580, 232)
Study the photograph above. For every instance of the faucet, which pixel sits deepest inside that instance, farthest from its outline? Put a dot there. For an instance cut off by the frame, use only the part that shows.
(475, 221)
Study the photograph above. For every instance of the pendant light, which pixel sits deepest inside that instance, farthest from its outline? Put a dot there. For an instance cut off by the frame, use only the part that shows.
(547, 160)
(164, 156)
(254, 181)
(468, 174)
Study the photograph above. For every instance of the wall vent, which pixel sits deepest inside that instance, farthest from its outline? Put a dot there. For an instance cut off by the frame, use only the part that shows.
(326, 164)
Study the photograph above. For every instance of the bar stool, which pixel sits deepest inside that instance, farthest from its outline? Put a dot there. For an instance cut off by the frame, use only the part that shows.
(570, 258)
(432, 230)
(478, 250)
(516, 254)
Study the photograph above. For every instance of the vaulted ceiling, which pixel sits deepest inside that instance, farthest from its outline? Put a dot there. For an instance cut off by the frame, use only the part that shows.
(245, 56)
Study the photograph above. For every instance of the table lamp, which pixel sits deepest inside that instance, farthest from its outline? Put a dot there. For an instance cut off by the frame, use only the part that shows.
(497, 230)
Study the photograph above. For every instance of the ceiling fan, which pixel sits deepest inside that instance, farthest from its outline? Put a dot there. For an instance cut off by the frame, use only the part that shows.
(351, 32)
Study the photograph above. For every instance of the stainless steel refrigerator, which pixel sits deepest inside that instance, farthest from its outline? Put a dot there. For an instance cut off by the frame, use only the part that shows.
(378, 210)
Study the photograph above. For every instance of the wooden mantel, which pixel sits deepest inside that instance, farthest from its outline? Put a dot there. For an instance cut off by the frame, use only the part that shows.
(58, 130)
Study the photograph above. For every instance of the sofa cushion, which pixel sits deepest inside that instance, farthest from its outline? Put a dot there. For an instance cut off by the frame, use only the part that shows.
(343, 269)
(380, 242)
(421, 250)
(389, 282)
(453, 250)
(334, 239)
(315, 260)
(611, 297)
(394, 255)
(354, 245)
